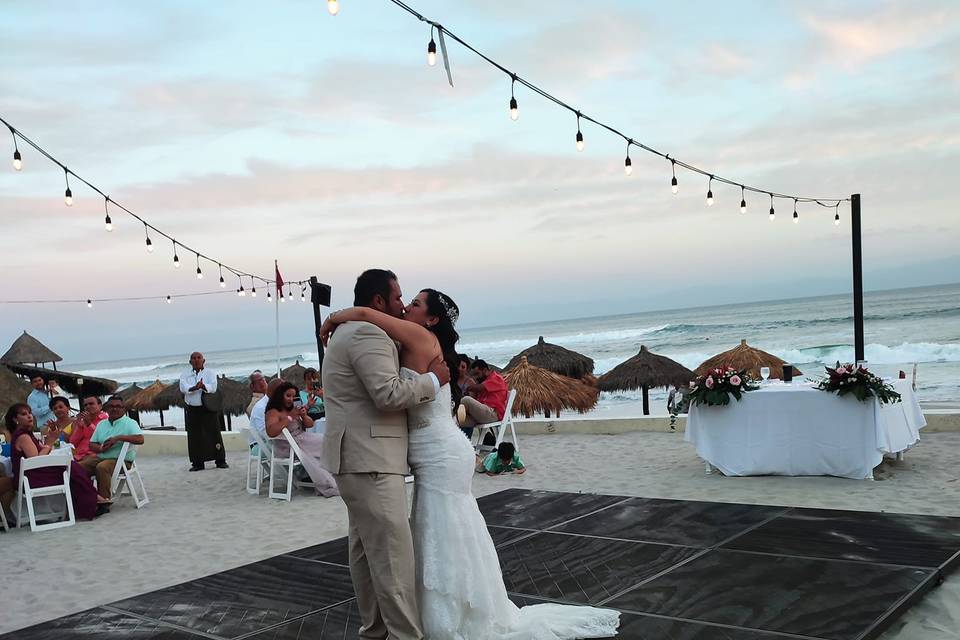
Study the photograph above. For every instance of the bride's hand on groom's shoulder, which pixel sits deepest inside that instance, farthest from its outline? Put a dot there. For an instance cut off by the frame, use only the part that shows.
(327, 328)
(440, 369)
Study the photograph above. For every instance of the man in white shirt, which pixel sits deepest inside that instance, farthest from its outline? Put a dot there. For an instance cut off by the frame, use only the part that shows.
(258, 415)
(204, 441)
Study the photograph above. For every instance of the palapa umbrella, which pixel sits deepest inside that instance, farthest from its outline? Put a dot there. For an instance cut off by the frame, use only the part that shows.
(12, 389)
(129, 392)
(169, 396)
(643, 371)
(749, 358)
(145, 400)
(294, 373)
(76, 383)
(554, 358)
(543, 391)
(26, 350)
(235, 396)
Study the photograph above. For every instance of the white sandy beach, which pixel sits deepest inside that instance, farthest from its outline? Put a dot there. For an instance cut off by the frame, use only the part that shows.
(201, 523)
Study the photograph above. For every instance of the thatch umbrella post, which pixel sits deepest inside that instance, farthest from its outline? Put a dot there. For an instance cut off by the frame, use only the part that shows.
(643, 371)
(554, 358)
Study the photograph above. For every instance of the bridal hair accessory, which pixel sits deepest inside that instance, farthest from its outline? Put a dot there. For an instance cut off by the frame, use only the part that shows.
(449, 307)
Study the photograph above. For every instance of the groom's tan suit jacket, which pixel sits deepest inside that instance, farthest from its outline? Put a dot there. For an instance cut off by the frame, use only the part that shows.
(366, 402)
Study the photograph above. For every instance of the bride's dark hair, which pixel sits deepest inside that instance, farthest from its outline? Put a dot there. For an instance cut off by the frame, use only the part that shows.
(447, 312)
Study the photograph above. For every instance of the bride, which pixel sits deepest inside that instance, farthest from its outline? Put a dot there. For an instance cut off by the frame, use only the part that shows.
(460, 587)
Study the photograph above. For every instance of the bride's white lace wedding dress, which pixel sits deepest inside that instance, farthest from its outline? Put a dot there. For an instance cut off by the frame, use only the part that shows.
(461, 591)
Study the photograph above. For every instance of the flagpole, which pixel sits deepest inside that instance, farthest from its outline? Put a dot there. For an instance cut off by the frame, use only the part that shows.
(276, 306)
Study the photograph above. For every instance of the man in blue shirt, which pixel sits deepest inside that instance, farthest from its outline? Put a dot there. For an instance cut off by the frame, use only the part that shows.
(39, 401)
(107, 441)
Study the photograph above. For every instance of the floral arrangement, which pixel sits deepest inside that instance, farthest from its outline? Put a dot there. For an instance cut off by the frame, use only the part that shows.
(716, 387)
(848, 378)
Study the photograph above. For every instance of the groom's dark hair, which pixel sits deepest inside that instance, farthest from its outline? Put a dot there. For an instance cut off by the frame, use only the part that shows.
(371, 283)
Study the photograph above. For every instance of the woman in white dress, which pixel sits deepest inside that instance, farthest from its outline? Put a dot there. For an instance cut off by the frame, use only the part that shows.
(461, 591)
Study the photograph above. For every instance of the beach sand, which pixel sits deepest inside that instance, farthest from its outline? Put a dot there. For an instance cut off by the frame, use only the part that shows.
(201, 523)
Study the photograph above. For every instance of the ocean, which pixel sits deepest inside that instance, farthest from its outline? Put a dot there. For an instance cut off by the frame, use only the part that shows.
(902, 327)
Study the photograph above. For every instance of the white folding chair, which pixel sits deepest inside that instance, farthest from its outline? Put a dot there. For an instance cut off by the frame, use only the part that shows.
(3, 520)
(290, 461)
(499, 428)
(26, 493)
(258, 462)
(128, 481)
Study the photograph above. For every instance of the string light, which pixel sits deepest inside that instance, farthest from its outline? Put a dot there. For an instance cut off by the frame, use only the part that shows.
(17, 161)
(710, 192)
(743, 201)
(514, 109)
(146, 231)
(89, 304)
(176, 258)
(67, 195)
(772, 212)
(796, 216)
(199, 273)
(836, 217)
(169, 300)
(579, 134)
(253, 288)
(269, 297)
(674, 186)
(240, 291)
(627, 163)
(107, 222)
(223, 283)
(431, 50)
(303, 294)
(333, 6)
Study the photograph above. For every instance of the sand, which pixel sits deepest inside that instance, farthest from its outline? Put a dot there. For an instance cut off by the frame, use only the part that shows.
(200, 523)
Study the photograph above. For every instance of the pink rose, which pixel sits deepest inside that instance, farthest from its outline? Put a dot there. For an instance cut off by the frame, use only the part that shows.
(735, 380)
(709, 382)
(841, 370)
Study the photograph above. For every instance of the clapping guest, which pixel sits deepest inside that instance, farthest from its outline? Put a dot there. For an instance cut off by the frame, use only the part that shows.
(19, 420)
(285, 412)
(84, 426)
(107, 441)
(39, 401)
(62, 420)
(204, 440)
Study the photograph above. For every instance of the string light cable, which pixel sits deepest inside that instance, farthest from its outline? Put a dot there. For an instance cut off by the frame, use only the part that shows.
(515, 79)
(91, 301)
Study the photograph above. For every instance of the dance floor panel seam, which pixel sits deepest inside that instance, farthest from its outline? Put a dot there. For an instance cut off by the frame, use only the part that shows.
(677, 570)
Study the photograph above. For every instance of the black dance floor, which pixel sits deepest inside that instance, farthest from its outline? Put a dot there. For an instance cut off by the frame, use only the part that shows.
(678, 570)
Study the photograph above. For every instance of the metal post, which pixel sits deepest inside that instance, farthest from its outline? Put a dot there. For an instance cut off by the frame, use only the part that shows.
(319, 295)
(857, 278)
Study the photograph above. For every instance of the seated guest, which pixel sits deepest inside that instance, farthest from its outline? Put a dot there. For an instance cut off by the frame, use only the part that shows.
(504, 460)
(62, 421)
(107, 441)
(39, 401)
(258, 415)
(463, 373)
(258, 389)
(84, 425)
(87, 505)
(281, 414)
(312, 394)
(487, 399)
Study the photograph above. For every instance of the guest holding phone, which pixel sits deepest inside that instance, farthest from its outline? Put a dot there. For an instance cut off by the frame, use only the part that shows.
(286, 410)
(312, 394)
(84, 426)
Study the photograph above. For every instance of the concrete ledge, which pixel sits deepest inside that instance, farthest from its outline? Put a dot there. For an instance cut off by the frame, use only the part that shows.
(164, 443)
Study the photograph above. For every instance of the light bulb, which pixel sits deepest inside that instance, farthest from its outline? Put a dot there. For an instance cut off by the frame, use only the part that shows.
(253, 292)
(241, 292)
(743, 206)
(514, 110)
(89, 304)
(68, 197)
(269, 297)
(17, 162)
(628, 166)
(579, 141)
(772, 213)
(432, 52)
(796, 217)
(836, 219)
(333, 6)
(107, 223)
(199, 274)
(223, 283)
(709, 198)
(303, 297)
(169, 300)
(149, 245)
(283, 298)
(176, 260)
(674, 186)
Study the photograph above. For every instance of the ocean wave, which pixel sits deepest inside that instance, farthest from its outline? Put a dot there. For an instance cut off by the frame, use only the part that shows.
(570, 340)
(905, 353)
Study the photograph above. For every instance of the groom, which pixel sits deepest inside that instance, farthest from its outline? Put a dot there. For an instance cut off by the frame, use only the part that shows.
(365, 448)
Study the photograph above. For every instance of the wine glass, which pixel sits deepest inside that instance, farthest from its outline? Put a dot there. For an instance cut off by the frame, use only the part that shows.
(765, 373)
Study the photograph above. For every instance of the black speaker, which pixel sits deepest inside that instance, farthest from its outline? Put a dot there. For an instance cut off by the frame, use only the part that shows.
(319, 293)
(788, 373)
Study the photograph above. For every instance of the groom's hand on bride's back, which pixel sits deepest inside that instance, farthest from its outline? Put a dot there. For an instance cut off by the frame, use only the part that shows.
(440, 369)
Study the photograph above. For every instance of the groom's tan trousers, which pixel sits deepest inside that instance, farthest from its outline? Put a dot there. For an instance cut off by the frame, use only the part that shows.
(381, 555)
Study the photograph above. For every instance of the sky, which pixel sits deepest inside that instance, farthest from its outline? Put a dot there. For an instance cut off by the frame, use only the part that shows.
(258, 131)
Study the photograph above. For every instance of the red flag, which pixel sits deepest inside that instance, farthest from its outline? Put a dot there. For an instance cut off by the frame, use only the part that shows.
(279, 279)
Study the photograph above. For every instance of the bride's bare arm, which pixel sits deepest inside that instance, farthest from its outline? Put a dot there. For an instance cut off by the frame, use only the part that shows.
(412, 337)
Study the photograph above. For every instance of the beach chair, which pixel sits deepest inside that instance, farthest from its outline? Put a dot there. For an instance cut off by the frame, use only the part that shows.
(27, 494)
(258, 463)
(499, 429)
(290, 462)
(3, 520)
(127, 480)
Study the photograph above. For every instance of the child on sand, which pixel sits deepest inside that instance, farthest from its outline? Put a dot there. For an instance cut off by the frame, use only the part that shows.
(504, 460)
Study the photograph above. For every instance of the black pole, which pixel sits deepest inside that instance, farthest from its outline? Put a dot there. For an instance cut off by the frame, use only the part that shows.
(857, 278)
(319, 295)
(646, 402)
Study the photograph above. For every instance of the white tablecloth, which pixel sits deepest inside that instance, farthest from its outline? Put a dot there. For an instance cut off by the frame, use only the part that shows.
(796, 430)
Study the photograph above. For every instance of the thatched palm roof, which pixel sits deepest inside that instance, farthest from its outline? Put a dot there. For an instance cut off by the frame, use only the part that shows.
(543, 391)
(294, 373)
(746, 357)
(128, 392)
(236, 396)
(27, 349)
(145, 399)
(75, 383)
(12, 389)
(645, 369)
(169, 396)
(554, 358)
